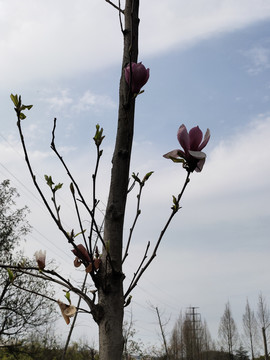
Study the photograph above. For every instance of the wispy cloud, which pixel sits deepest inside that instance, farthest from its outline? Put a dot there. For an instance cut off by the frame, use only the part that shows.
(65, 39)
(89, 100)
(59, 100)
(259, 58)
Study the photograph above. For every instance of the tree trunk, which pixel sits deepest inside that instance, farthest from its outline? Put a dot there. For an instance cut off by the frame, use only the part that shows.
(265, 344)
(110, 281)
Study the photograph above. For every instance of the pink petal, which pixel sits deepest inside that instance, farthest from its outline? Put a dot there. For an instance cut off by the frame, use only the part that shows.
(197, 154)
(173, 153)
(183, 138)
(140, 76)
(127, 74)
(205, 140)
(195, 138)
(200, 165)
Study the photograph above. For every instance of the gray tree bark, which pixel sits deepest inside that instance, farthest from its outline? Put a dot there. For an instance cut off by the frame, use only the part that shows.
(110, 278)
(264, 320)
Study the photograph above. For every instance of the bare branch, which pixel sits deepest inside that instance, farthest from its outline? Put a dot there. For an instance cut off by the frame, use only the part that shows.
(74, 321)
(82, 200)
(175, 209)
(115, 6)
(138, 212)
(53, 147)
(132, 283)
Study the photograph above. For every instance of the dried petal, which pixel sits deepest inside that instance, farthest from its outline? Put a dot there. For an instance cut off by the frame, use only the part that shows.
(81, 253)
(77, 262)
(89, 268)
(67, 311)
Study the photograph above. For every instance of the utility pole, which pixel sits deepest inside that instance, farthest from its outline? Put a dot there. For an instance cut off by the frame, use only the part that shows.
(195, 328)
(163, 334)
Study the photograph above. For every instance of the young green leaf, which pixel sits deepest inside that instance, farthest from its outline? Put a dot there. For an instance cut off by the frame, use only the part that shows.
(49, 181)
(22, 116)
(10, 275)
(147, 176)
(67, 295)
(57, 187)
(14, 99)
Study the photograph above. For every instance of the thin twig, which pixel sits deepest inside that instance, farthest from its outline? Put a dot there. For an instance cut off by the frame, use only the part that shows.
(174, 211)
(32, 173)
(53, 147)
(75, 184)
(80, 220)
(94, 205)
(45, 276)
(139, 268)
(74, 320)
(138, 212)
(120, 18)
(56, 219)
(115, 6)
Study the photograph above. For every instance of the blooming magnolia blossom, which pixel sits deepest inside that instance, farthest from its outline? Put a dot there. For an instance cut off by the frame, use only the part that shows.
(67, 311)
(192, 143)
(41, 259)
(138, 76)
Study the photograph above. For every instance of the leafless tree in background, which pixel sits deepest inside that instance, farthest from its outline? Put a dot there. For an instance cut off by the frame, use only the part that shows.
(190, 339)
(227, 331)
(250, 327)
(264, 321)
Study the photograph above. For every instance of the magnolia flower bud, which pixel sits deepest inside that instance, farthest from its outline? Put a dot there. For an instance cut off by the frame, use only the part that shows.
(41, 259)
(138, 76)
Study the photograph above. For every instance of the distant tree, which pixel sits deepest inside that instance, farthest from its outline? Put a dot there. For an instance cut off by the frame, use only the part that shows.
(38, 348)
(190, 338)
(250, 327)
(132, 346)
(21, 310)
(264, 321)
(227, 331)
(177, 341)
(13, 224)
(241, 354)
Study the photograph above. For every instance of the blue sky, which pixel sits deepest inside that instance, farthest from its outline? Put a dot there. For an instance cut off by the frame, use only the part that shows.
(209, 66)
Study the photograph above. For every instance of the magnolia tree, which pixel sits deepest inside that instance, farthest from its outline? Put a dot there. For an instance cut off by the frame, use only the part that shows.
(100, 250)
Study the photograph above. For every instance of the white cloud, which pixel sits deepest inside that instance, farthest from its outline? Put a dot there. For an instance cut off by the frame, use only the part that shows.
(90, 100)
(179, 23)
(43, 40)
(61, 100)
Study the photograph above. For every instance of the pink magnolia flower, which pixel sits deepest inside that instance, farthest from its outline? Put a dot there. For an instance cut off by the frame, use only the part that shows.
(81, 253)
(192, 143)
(139, 76)
(40, 259)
